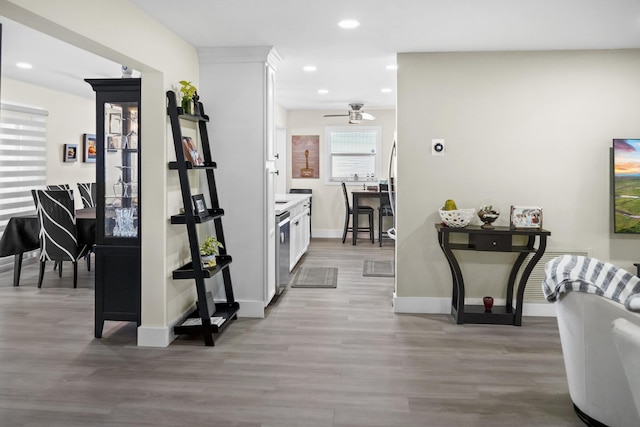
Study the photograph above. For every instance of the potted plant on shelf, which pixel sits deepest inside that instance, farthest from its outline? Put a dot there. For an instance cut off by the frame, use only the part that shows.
(188, 91)
(209, 250)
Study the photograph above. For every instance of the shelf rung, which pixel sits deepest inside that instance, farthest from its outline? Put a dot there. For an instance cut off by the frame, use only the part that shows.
(213, 214)
(187, 271)
(189, 165)
(227, 310)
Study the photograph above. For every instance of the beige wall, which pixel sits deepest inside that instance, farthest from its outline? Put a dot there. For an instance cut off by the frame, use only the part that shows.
(328, 202)
(521, 128)
(69, 118)
(163, 246)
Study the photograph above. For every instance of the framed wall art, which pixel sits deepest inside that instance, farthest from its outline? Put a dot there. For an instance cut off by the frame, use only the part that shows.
(525, 217)
(89, 148)
(70, 153)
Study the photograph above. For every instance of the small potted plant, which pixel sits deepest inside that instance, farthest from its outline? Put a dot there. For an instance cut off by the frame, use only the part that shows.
(209, 250)
(188, 91)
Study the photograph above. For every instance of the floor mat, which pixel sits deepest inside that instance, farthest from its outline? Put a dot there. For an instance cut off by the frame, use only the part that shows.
(379, 268)
(315, 277)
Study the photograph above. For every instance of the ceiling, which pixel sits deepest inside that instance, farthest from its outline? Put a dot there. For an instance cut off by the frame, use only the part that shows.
(351, 64)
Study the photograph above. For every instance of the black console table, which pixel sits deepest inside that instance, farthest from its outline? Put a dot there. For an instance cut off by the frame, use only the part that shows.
(499, 239)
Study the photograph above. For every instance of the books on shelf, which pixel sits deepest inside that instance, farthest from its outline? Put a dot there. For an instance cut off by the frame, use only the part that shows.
(196, 321)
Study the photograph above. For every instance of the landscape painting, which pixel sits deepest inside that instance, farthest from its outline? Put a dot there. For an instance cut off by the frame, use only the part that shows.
(626, 185)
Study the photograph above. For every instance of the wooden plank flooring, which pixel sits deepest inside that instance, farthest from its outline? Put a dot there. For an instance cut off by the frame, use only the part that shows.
(322, 357)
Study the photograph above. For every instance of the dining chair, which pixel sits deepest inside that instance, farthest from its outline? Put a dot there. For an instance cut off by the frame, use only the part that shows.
(58, 232)
(362, 210)
(384, 210)
(65, 187)
(305, 191)
(88, 194)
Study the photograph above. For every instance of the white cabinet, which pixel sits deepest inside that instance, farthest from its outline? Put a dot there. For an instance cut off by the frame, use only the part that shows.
(300, 236)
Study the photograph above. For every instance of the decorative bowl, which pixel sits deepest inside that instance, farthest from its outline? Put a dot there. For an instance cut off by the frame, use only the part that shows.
(457, 218)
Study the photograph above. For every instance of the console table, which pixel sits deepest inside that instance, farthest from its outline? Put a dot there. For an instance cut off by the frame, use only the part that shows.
(499, 239)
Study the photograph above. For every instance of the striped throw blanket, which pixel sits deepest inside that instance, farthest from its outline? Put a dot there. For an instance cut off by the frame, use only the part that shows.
(578, 273)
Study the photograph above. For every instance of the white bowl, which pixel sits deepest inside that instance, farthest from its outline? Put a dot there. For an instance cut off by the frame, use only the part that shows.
(457, 218)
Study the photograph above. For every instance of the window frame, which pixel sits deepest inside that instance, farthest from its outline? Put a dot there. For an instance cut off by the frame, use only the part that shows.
(329, 178)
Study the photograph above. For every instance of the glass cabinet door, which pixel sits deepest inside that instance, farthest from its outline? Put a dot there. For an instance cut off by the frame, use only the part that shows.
(121, 169)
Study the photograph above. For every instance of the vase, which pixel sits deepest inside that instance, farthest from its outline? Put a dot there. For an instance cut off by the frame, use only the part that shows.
(186, 105)
(208, 260)
(488, 304)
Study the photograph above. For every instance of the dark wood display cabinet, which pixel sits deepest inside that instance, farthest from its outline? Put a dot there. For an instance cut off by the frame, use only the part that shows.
(498, 239)
(208, 317)
(118, 228)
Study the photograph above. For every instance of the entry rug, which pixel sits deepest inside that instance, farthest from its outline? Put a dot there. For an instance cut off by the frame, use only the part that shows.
(315, 277)
(379, 268)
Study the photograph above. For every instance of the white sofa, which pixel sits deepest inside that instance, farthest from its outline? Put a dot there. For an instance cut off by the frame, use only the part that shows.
(589, 296)
(626, 335)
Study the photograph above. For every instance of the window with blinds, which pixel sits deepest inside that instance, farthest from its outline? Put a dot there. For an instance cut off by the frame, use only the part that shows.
(353, 153)
(23, 162)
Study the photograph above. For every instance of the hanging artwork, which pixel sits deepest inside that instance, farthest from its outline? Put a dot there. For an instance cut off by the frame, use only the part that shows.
(305, 156)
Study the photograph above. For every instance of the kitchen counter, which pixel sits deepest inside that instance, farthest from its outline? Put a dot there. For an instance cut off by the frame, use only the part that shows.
(284, 202)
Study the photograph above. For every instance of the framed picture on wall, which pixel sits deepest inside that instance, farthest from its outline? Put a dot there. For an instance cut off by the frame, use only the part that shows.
(525, 217)
(70, 153)
(89, 148)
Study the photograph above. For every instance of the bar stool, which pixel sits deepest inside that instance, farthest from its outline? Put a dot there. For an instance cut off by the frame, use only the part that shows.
(362, 210)
(383, 211)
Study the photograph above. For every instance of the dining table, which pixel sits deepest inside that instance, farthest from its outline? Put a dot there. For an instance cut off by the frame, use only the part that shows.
(21, 235)
(357, 196)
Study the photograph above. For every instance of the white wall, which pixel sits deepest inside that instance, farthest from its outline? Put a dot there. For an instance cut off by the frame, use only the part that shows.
(69, 118)
(328, 202)
(521, 128)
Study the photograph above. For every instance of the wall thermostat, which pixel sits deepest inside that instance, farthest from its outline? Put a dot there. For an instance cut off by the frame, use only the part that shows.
(437, 147)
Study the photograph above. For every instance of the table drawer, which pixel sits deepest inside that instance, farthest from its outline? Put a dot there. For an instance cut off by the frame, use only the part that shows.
(491, 242)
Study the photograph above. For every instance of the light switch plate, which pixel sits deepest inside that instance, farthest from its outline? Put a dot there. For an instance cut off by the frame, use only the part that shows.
(437, 147)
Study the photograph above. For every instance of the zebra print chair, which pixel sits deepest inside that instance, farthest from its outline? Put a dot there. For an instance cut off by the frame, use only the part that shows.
(58, 233)
(60, 187)
(88, 194)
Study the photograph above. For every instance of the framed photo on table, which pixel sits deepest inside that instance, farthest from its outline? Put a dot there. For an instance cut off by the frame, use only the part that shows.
(525, 217)
(200, 206)
(115, 123)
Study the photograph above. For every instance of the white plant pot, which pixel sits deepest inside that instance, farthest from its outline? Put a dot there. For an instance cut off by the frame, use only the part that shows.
(208, 260)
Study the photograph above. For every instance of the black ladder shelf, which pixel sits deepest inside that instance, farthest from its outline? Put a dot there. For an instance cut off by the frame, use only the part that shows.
(206, 308)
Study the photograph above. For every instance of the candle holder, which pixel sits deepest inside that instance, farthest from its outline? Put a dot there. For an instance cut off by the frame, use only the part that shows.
(488, 304)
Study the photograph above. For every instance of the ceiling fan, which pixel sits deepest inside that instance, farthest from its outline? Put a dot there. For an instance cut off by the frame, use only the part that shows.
(356, 115)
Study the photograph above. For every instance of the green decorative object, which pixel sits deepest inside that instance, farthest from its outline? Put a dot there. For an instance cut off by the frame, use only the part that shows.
(188, 92)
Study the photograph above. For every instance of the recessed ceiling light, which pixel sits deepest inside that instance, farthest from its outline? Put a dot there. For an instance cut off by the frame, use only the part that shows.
(392, 67)
(323, 91)
(385, 90)
(309, 68)
(24, 65)
(348, 24)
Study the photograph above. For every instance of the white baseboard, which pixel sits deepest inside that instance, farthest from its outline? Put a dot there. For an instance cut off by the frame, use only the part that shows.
(328, 234)
(431, 305)
(154, 336)
(251, 309)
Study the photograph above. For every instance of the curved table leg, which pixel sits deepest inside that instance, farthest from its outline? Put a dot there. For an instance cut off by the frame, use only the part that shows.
(525, 276)
(457, 299)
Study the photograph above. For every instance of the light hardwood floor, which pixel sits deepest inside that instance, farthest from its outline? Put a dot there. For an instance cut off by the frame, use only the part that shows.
(321, 357)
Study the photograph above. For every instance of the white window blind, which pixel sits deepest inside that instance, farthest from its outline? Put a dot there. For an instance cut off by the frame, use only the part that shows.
(23, 162)
(353, 153)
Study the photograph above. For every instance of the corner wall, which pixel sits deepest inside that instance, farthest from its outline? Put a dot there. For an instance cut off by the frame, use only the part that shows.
(521, 128)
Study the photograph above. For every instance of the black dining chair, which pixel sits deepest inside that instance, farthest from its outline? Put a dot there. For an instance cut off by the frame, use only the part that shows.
(88, 194)
(58, 232)
(362, 210)
(383, 211)
(305, 191)
(65, 187)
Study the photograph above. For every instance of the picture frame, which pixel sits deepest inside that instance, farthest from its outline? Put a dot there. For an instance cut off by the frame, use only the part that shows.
(525, 217)
(113, 143)
(70, 153)
(200, 206)
(89, 148)
(115, 123)
(191, 153)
